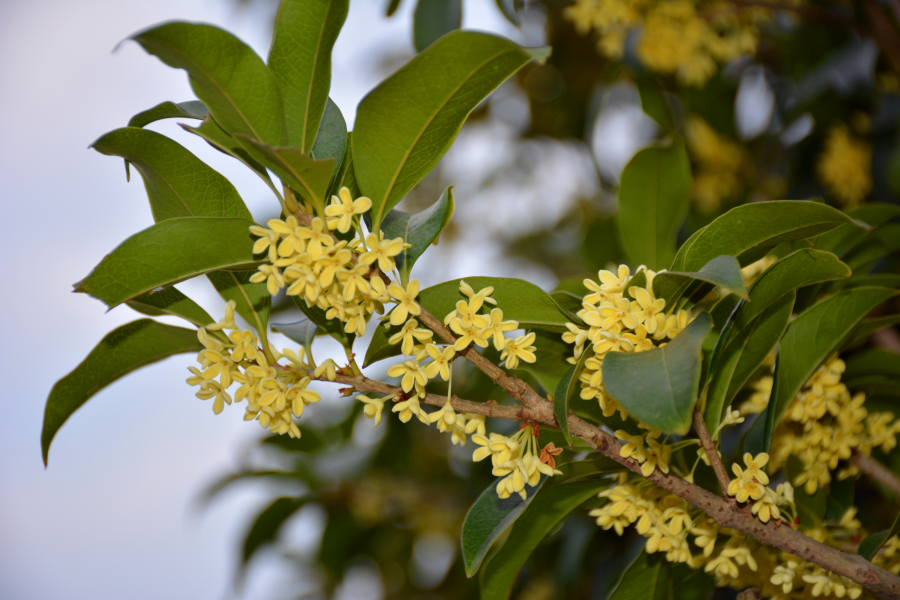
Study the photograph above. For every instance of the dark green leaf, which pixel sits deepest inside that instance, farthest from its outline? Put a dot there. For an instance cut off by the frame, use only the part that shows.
(301, 332)
(647, 578)
(421, 230)
(654, 197)
(169, 252)
(122, 351)
(433, 19)
(551, 365)
(722, 270)
(178, 183)
(659, 387)
(750, 231)
(840, 498)
(866, 328)
(227, 76)
(392, 8)
(521, 301)
(332, 327)
(307, 175)
(510, 10)
(759, 437)
(192, 109)
(568, 385)
(569, 303)
(874, 361)
(877, 280)
(654, 102)
(252, 300)
(406, 124)
(331, 141)
(300, 58)
(882, 242)
(265, 529)
(872, 544)
(845, 237)
(171, 302)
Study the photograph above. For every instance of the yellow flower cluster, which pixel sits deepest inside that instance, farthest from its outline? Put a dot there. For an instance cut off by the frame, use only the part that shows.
(274, 393)
(685, 38)
(825, 424)
(329, 273)
(517, 459)
(733, 558)
(845, 166)
(448, 421)
(616, 323)
(751, 483)
(720, 165)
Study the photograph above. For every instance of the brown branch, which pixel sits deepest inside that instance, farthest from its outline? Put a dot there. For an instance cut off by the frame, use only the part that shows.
(876, 471)
(714, 459)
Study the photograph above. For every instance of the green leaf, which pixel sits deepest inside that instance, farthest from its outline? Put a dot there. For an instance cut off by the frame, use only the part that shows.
(882, 242)
(252, 300)
(647, 578)
(219, 139)
(227, 76)
(568, 385)
(659, 387)
(331, 141)
(171, 302)
(510, 10)
(332, 327)
(841, 240)
(302, 331)
(520, 300)
(305, 174)
(168, 252)
(654, 197)
(210, 493)
(122, 351)
(434, 18)
(300, 58)
(406, 124)
(421, 230)
(309, 441)
(551, 365)
(346, 176)
(873, 543)
(840, 498)
(558, 497)
(874, 361)
(265, 529)
(654, 102)
(722, 270)
(393, 5)
(759, 437)
(866, 328)
(750, 231)
(810, 507)
(878, 280)
(192, 109)
(746, 350)
(815, 334)
(178, 183)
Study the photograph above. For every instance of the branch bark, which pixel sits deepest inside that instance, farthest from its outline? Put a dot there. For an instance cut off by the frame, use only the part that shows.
(876, 471)
(715, 460)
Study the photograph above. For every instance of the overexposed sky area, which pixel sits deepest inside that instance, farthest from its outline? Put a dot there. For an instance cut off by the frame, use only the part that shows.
(114, 516)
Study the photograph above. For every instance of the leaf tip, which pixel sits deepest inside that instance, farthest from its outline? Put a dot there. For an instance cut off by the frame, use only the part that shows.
(540, 54)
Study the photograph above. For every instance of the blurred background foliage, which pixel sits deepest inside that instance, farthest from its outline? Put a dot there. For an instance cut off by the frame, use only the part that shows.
(809, 109)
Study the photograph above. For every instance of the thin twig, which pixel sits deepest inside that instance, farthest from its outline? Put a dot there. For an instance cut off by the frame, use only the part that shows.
(876, 471)
(715, 460)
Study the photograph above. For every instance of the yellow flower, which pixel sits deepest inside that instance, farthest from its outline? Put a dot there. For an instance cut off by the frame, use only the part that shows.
(466, 336)
(617, 311)
(519, 349)
(765, 508)
(329, 265)
(271, 275)
(319, 238)
(497, 327)
(244, 345)
(744, 488)
(406, 301)
(327, 368)
(634, 446)
(373, 408)
(382, 251)
(784, 576)
(342, 209)
(354, 279)
(646, 307)
(845, 166)
(409, 335)
(614, 282)
(408, 408)
(474, 424)
(754, 467)
(410, 373)
(289, 230)
(467, 313)
(445, 418)
(441, 361)
(267, 241)
(485, 293)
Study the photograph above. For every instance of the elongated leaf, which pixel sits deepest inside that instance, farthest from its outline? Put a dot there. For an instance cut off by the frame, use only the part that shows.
(743, 354)
(874, 361)
(171, 302)
(510, 10)
(841, 240)
(654, 197)
(301, 332)
(406, 124)
(305, 174)
(559, 497)
(647, 578)
(759, 437)
(332, 327)
(866, 328)
(434, 18)
(873, 543)
(265, 529)
(724, 271)
(193, 109)
(331, 140)
(815, 334)
(882, 242)
(122, 351)
(252, 300)
(568, 386)
(228, 481)
(392, 7)
(178, 183)
(659, 387)
(878, 280)
(227, 76)
(346, 176)
(420, 230)
(300, 58)
(169, 252)
(521, 301)
(750, 231)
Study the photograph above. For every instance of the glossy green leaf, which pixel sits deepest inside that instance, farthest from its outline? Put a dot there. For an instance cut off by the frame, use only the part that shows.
(300, 58)
(746, 350)
(121, 352)
(647, 578)
(653, 101)
(331, 141)
(346, 176)
(265, 529)
(723, 271)
(840, 240)
(420, 230)
(178, 183)
(302, 331)
(193, 109)
(840, 498)
(659, 387)
(882, 242)
(723, 315)
(874, 361)
(568, 385)
(434, 18)
(252, 300)
(168, 252)
(332, 327)
(556, 500)
(520, 300)
(392, 7)
(654, 196)
(815, 334)
(569, 303)
(171, 302)
(873, 543)
(750, 231)
(759, 437)
(406, 124)
(305, 174)
(226, 75)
